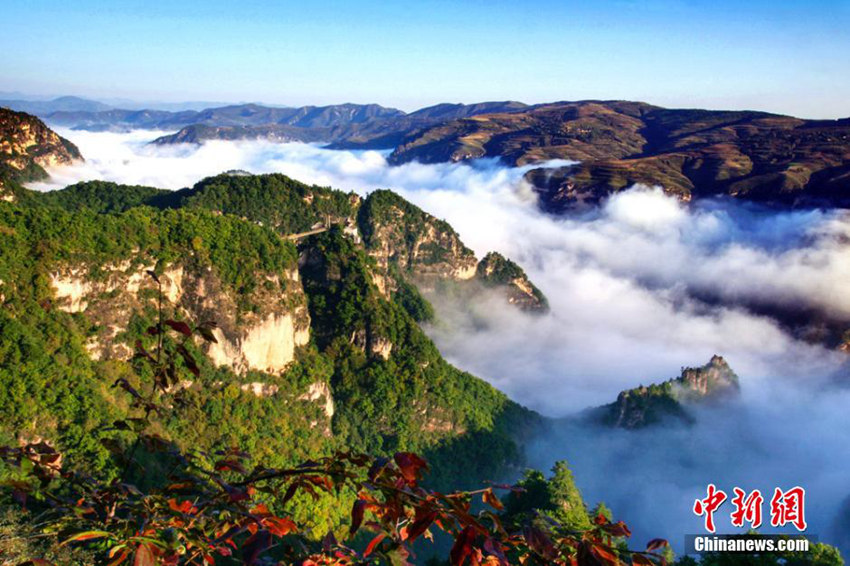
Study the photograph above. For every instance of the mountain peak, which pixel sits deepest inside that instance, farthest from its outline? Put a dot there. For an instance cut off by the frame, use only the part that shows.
(27, 146)
(654, 404)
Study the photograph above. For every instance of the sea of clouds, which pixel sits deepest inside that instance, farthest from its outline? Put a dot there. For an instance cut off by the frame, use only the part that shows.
(638, 288)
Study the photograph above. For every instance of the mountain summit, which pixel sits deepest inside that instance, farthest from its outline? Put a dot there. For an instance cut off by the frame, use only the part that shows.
(27, 147)
(645, 406)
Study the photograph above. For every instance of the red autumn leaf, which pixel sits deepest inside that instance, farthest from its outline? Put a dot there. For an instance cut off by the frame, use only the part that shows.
(539, 542)
(279, 526)
(462, 546)
(420, 524)
(87, 535)
(655, 544)
(261, 510)
(144, 556)
(495, 549)
(410, 466)
(604, 555)
(184, 507)
(641, 560)
(120, 558)
(490, 498)
(618, 529)
(371, 546)
(357, 515)
(179, 326)
(320, 481)
(230, 465)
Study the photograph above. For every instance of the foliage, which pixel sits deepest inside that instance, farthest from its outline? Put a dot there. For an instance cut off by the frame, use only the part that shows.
(238, 250)
(273, 200)
(495, 270)
(216, 507)
(54, 390)
(409, 224)
(410, 399)
(558, 498)
(409, 298)
(97, 196)
(51, 387)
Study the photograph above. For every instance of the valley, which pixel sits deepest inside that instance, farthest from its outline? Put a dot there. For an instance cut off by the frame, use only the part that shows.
(323, 334)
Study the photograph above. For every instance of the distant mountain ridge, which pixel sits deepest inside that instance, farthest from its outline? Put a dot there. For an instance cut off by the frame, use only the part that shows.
(690, 153)
(235, 115)
(63, 103)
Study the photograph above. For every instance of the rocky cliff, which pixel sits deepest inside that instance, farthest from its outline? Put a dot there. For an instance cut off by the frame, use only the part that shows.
(263, 338)
(310, 333)
(409, 243)
(668, 401)
(495, 270)
(398, 233)
(27, 147)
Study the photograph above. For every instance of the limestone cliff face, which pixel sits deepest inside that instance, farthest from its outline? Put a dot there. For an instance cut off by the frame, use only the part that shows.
(495, 270)
(263, 339)
(668, 401)
(406, 241)
(28, 146)
(398, 234)
(712, 381)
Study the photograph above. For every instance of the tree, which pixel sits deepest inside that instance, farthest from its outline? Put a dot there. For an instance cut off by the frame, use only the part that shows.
(566, 498)
(222, 508)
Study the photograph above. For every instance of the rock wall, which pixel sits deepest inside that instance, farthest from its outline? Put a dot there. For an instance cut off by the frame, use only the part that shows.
(27, 146)
(264, 339)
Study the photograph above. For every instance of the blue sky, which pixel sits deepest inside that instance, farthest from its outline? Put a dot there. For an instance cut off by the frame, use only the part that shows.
(789, 57)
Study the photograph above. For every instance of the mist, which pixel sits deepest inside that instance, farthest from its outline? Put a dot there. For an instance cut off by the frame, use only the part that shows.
(638, 288)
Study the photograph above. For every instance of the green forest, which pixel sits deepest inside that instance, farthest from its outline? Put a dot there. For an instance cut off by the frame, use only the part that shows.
(84, 432)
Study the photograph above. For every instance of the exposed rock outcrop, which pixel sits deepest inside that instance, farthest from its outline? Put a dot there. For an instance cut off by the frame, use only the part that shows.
(321, 392)
(263, 340)
(408, 242)
(401, 235)
(495, 270)
(28, 146)
(668, 401)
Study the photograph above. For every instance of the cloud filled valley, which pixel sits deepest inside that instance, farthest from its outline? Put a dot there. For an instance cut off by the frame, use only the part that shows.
(638, 288)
